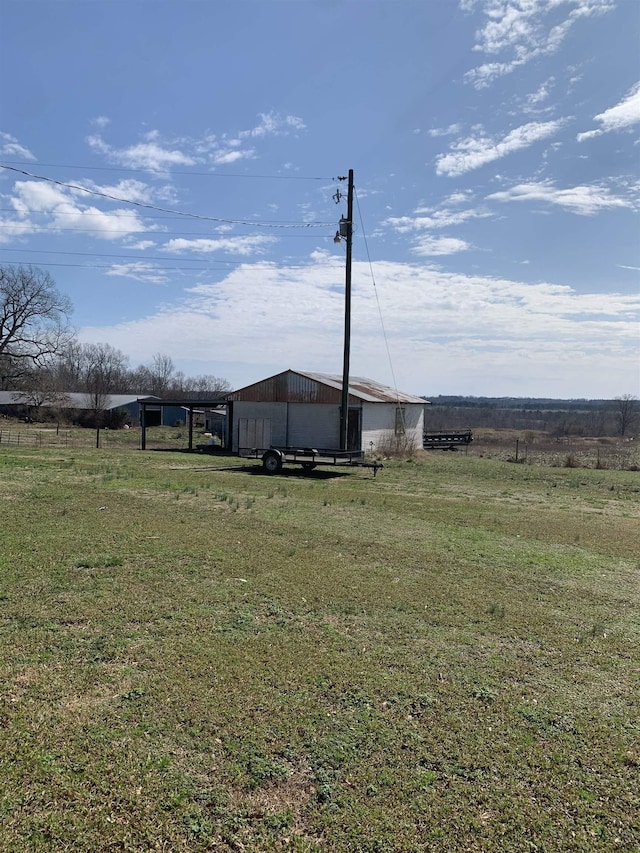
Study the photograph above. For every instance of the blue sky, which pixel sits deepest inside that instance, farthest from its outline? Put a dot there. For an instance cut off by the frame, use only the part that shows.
(173, 166)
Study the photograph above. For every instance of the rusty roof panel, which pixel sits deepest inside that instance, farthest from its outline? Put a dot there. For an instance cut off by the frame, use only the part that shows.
(293, 386)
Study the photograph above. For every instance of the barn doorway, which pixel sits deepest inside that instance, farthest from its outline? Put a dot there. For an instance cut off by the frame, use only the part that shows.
(354, 429)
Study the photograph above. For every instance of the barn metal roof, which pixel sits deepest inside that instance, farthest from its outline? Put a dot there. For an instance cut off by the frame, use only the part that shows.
(310, 387)
(366, 389)
(72, 400)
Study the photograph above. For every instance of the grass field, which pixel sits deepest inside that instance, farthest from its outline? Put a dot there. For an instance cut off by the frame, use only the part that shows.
(195, 656)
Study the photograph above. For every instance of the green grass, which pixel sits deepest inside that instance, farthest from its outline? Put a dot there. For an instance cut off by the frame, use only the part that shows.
(443, 658)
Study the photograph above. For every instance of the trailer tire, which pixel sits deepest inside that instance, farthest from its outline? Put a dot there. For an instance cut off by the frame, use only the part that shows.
(308, 466)
(272, 462)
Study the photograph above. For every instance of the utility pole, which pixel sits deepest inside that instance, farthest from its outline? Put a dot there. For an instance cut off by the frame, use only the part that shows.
(346, 233)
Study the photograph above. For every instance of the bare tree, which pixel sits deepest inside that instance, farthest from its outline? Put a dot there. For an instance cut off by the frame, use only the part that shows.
(627, 413)
(103, 374)
(103, 369)
(34, 318)
(203, 386)
(161, 372)
(68, 367)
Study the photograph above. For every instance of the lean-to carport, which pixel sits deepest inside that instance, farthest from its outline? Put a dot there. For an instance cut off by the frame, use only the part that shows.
(189, 404)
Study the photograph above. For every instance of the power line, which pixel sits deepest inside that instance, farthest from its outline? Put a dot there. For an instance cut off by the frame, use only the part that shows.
(54, 229)
(205, 268)
(144, 258)
(164, 209)
(170, 171)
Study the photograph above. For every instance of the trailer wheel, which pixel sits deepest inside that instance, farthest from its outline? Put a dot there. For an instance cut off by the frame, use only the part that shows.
(308, 466)
(272, 462)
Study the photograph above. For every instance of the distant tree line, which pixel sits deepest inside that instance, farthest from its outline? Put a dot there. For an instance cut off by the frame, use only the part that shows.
(41, 359)
(619, 416)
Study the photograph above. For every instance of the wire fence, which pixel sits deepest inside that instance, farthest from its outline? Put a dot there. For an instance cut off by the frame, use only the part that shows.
(157, 438)
(52, 438)
(16, 438)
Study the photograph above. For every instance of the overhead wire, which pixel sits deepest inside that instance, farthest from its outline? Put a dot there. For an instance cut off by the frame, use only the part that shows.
(169, 214)
(144, 258)
(206, 268)
(54, 229)
(147, 206)
(145, 169)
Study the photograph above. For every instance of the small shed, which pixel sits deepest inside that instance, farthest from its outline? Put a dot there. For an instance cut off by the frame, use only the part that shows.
(302, 409)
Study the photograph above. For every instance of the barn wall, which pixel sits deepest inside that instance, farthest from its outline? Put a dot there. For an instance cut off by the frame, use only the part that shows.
(379, 423)
(318, 424)
(276, 412)
(314, 425)
(293, 424)
(172, 414)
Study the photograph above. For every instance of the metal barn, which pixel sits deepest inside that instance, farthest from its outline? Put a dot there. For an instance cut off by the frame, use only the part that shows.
(301, 409)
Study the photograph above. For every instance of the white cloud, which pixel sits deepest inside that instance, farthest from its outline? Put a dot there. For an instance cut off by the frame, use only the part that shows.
(443, 329)
(525, 30)
(431, 246)
(451, 130)
(141, 245)
(101, 122)
(534, 101)
(231, 245)
(10, 147)
(140, 271)
(59, 208)
(224, 156)
(12, 228)
(430, 218)
(274, 124)
(129, 189)
(623, 115)
(473, 152)
(145, 155)
(439, 218)
(583, 200)
(222, 149)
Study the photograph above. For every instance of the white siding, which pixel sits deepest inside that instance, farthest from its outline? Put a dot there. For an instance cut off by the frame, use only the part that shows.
(379, 424)
(318, 424)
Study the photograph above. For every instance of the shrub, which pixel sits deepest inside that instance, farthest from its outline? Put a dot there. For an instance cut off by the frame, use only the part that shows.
(393, 446)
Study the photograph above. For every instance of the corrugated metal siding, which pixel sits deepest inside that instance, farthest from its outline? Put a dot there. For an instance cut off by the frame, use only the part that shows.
(287, 387)
(314, 426)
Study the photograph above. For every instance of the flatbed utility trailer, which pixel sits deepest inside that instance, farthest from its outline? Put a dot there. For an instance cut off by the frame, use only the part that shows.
(447, 440)
(273, 458)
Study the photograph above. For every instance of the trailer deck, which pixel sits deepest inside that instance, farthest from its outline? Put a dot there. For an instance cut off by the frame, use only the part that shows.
(273, 458)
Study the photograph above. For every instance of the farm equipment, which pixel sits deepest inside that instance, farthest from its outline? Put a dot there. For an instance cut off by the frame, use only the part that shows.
(447, 440)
